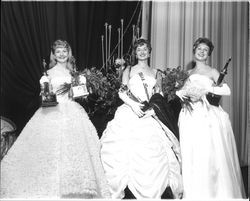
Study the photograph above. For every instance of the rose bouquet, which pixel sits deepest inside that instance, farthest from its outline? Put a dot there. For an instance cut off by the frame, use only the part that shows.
(173, 79)
(102, 90)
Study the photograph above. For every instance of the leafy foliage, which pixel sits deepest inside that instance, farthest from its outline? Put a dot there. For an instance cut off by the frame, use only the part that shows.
(103, 89)
(172, 81)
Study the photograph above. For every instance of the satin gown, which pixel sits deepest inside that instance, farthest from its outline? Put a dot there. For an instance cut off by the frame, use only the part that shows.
(57, 154)
(140, 153)
(210, 163)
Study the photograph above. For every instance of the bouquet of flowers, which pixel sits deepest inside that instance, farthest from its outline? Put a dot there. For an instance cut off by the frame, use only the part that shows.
(102, 90)
(194, 91)
(119, 62)
(172, 81)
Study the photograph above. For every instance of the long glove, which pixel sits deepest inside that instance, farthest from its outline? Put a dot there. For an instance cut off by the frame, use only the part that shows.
(222, 90)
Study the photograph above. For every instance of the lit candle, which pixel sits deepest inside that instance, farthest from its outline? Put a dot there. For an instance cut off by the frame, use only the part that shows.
(106, 45)
(109, 43)
(102, 51)
(133, 35)
(121, 38)
(118, 42)
(138, 32)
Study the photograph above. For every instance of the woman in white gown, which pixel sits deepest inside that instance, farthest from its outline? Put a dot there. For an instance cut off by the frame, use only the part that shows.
(210, 164)
(57, 154)
(137, 150)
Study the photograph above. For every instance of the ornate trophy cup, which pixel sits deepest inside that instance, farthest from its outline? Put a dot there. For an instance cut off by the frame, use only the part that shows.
(47, 95)
(78, 84)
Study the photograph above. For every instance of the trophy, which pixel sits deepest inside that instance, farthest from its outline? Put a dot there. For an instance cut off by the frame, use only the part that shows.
(47, 95)
(214, 99)
(79, 83)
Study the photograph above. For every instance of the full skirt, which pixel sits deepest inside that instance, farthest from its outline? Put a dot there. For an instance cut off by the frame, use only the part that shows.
(210, 163)
(140, 153)
(57, 155)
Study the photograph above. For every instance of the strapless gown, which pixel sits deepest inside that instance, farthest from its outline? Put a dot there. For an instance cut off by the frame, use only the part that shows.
(210, 163)
(57, 154)
(140, 153)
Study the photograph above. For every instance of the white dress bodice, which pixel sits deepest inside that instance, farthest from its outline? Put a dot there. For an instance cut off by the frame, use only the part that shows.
(201, 81)
(58, 76)
(136, 86)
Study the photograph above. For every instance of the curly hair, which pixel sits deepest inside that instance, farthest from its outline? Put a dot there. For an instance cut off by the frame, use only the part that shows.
(141, 42)
(60, 44)
(205, 41)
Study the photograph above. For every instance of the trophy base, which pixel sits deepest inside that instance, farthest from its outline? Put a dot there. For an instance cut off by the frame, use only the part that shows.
(79, 91)
(49, 104)
(213, 99)
(49, 100)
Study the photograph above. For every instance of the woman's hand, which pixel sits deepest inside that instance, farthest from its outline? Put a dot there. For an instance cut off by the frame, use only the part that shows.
(70, 93)
(44, 79)
(181, 95)
(149, 113)
(222, 90)
(136, 107)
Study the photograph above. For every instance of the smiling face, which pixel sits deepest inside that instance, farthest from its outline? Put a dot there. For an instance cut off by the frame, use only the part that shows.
(201, 52)
(142, 52)
(61, 54)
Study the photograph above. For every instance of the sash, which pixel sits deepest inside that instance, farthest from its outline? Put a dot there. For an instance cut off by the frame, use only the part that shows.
(162, 109)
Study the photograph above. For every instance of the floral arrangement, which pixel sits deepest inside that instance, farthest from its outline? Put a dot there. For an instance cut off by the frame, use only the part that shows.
(103, 88)
(193, 91)
(173, 80)
(103, 91)
(119, 62)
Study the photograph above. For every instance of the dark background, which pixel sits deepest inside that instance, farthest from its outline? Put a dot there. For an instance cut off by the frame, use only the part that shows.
(29, 28)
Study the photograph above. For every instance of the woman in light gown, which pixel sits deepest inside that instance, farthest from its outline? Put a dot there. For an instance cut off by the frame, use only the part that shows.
(57, 154)
(210, 164)
(138, 152)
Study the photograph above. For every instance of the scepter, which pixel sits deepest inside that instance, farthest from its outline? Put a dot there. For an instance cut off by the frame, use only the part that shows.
(223, 72)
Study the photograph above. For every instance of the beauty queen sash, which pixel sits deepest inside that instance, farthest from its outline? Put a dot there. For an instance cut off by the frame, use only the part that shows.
(162, 109)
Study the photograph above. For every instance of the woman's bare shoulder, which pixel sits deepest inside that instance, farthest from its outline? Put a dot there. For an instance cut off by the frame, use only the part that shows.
(214, 74)
(51, 71)
(214, 70)
(126, 70)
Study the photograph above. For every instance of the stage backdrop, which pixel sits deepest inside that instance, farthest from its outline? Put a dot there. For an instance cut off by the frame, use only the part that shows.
(173, 27)
(29, 28)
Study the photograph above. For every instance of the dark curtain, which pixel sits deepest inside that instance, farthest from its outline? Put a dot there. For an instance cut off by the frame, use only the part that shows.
(27, 32)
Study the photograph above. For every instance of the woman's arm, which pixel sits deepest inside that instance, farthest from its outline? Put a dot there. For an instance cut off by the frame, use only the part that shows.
(158, 86)
(135, 106)
(222, 89)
